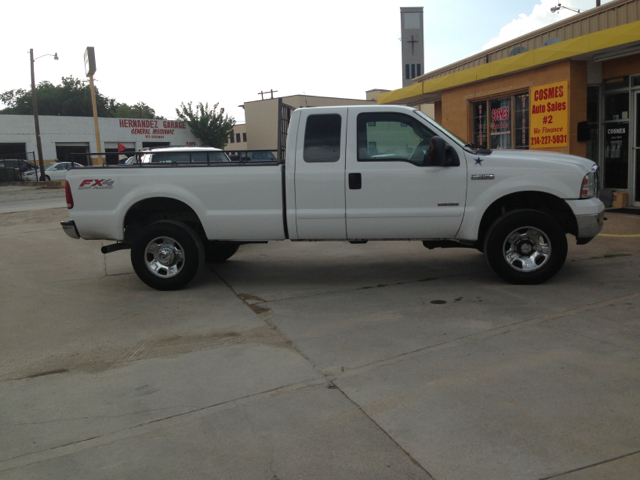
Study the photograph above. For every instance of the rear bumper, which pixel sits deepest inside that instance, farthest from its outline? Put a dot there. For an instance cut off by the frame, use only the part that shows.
(69, 227)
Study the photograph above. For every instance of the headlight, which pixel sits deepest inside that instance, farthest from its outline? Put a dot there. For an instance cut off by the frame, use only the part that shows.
(590, 184)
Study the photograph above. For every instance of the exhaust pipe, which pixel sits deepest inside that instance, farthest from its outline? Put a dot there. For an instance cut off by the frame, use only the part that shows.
(115, 247)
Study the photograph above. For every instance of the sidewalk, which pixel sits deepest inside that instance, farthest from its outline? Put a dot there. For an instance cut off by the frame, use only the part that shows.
(620, 224)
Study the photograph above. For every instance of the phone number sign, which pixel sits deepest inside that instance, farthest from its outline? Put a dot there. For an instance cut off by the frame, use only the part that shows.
(549, 115)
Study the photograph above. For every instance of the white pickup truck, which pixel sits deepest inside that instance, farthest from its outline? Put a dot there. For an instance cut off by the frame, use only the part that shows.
(354, 174)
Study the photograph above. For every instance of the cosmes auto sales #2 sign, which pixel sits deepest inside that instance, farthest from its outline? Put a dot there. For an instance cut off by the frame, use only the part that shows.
(549, 115)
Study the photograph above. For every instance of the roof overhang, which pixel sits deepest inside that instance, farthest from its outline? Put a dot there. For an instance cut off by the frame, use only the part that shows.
(605, 42)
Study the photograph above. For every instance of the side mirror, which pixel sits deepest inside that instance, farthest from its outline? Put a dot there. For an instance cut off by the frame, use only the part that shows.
(436, 154)
(441, 155)
(452, 159)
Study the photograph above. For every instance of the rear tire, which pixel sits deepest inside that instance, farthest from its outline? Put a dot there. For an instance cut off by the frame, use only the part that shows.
(526, 247)
(218, 252)
(167, 255)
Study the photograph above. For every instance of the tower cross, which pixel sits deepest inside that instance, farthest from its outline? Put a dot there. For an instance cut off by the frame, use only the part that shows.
(413, 43)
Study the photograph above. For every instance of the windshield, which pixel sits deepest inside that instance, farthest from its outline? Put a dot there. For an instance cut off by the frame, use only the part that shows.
(453, 136)
(50, 166)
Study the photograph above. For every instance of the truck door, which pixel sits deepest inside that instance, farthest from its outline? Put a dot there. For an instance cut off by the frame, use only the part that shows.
(391, 192)
(319, 175)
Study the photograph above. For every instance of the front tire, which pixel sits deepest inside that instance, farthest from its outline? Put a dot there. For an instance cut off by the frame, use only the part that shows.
(526, 247)
(167, 255)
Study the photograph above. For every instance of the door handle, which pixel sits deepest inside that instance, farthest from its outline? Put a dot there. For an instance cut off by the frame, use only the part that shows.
(355, 181)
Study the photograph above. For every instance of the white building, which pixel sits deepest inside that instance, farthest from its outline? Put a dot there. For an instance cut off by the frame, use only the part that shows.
(61, 136)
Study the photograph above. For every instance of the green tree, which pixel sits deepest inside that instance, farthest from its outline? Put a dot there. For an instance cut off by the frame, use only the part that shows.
(71, 98)
(211, 126)
(139, 110)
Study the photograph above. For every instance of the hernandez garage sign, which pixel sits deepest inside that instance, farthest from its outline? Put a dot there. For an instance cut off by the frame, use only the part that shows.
(549, 115)
(152, 128)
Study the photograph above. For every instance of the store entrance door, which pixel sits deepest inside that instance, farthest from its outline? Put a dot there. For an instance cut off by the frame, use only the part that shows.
(636, 149)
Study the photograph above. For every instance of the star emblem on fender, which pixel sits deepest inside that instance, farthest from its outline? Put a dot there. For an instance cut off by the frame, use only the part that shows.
(479, 161)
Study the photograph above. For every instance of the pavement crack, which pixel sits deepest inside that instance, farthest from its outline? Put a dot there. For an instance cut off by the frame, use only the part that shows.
(591, 466)
(89, 417)
(372, 420)
(504, 329)
(264, 314)
(144, 427)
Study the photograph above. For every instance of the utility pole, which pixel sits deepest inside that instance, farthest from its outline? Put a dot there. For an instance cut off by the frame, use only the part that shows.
(90, 69)
(35, 115)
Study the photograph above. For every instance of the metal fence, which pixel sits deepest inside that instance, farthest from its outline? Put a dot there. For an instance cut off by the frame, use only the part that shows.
(189, 156)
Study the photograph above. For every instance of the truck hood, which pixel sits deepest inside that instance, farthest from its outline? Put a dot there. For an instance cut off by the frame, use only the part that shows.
(537, 158)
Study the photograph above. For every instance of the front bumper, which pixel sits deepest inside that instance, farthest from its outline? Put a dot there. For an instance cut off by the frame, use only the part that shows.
(588, 227)
(589, 218)
(69, 227)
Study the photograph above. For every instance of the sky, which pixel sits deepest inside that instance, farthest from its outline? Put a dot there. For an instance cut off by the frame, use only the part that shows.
(167, 52)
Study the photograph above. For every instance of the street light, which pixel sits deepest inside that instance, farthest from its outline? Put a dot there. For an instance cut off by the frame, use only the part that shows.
(35, 108)
(559, 6)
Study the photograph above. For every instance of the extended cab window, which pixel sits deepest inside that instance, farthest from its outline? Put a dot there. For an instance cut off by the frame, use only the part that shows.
(215, 157)
(198, 157)
(322, 138)
(171, 157)
(189, 157)
(392, 137)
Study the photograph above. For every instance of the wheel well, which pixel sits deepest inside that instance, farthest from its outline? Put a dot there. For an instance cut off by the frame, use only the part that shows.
(155, 209)
(540, 201)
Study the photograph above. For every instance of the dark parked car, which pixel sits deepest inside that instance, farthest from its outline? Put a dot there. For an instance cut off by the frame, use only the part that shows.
(14, 169)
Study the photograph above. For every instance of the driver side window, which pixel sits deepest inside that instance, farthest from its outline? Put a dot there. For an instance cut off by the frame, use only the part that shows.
(392, 137)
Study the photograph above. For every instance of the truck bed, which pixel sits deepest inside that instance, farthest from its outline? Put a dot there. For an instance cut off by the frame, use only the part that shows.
(234, 201)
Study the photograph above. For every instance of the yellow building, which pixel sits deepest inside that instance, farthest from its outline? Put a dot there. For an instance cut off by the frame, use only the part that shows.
(572, 87)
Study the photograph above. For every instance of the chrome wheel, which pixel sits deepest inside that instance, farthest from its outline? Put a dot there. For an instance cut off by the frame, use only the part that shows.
(527, 249)
(164, 257)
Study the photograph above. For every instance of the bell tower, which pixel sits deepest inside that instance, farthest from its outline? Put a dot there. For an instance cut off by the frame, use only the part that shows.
(411, 21)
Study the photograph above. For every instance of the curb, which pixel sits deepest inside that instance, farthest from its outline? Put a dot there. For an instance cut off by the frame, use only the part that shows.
(50, 184)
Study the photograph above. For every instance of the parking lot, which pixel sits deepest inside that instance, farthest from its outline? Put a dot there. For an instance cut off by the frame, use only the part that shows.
(316, 361)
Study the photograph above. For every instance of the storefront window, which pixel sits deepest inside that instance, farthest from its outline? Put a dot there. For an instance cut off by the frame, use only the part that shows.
(480, 124)
(593, 99)
(500, 126)
(637, 145)
(614, 83)
(521, 107)
(502, 122)
(616, 155)
(616, 106)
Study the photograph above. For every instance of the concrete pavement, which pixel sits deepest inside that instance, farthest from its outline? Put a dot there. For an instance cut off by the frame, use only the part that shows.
(317, 360)
(18, 198)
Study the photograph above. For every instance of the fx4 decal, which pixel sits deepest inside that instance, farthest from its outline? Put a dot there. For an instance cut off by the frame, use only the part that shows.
(96, 184)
